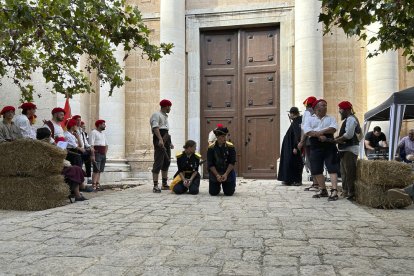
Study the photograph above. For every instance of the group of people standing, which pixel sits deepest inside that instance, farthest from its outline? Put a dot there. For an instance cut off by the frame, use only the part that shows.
(312, 136)
(221, 159)
(69, 134)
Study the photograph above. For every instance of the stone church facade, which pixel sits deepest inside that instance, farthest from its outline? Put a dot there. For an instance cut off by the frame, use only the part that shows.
(237, 62)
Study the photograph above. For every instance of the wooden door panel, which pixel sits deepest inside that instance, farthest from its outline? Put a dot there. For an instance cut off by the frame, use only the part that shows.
(220, 92)
(260, 90)
(260, 153)
(220, 50)
(261, 47)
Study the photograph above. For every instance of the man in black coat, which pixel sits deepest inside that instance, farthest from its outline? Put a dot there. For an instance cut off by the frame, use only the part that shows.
(291, 163)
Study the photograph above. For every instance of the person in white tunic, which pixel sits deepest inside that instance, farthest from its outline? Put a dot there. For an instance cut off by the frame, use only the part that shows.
(22, 121)
(99, 149)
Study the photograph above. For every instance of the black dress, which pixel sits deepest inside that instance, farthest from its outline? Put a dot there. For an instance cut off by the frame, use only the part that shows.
(291, 165)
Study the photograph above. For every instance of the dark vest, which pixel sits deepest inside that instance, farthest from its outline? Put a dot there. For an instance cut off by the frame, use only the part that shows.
(349, 142)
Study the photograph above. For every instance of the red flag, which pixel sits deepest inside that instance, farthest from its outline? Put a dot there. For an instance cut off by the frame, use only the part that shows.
(68, 113)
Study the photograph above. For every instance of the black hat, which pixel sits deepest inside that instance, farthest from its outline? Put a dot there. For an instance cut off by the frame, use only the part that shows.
(294, 110)
(221, 131)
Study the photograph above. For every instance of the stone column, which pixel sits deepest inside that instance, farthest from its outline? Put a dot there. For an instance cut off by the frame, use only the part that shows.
(172, 67)
(308, 51)
(112, 110)
(382, 78)
(382, 73)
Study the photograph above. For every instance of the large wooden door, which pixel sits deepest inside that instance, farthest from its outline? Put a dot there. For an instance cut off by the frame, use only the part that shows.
(240, 89)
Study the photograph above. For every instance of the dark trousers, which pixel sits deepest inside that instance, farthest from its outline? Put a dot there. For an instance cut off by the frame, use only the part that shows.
(162, 158)
(348, 171)
(193, 189)
(229, 187)
(86, 158)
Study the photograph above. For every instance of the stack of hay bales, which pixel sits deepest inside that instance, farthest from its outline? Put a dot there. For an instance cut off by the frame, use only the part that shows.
(375, 177)
(30, 176)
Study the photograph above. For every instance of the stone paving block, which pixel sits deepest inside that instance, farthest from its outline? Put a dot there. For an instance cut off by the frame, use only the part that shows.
(400, 252)
(212, 233)
(240, 268)
(366, 271)
(280, 271)
(200, 271)
(247, 242)
(228, 254)
(252, 256)
(319, 270)
(105, 270)
(309, 260)
(278, 260)
(284, 242)
(294, 235)
(191, 259)
(395, 266)
(267, 234)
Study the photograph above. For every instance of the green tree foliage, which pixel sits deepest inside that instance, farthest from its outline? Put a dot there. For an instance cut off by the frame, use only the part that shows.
(395, 17)
(52, 35)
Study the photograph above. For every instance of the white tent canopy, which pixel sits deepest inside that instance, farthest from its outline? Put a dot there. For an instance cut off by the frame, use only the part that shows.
(398, 107)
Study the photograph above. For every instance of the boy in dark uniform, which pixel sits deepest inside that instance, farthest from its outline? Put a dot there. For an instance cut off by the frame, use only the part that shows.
(188, 162)
(221, 158)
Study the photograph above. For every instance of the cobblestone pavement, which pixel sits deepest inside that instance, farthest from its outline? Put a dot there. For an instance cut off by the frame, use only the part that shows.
(264, 229)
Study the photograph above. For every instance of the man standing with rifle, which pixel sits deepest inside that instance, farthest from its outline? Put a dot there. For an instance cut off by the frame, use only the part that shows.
(162, 145)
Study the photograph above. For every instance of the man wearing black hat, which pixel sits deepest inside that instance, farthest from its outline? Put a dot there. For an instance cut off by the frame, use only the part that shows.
(291, 164)
(221, 158)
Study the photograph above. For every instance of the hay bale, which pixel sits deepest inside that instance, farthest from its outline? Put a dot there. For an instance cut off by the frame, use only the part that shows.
(371, 195)
(388, 174)
(32, 193)
(30, 158)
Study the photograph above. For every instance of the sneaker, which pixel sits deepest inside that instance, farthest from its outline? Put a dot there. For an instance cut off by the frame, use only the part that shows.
(398, 198)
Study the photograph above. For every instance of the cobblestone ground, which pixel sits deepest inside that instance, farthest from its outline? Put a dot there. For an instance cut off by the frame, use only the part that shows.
(265, 229)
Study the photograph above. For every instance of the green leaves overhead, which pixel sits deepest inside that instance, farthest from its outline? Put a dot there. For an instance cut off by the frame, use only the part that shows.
(395, 18)
(52, 35)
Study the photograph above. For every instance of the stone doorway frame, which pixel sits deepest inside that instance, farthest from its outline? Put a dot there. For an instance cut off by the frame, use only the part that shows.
(258, 15)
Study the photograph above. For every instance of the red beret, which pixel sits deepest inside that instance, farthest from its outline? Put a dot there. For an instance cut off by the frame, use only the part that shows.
(7, 109)
(309, 101)
(164, 103)
(71, 123)
(58, 109)
(318, 101)
(75, 117)
(99, 122)
(220, 126)
(345, 105)
(82, 123)
(27, 106)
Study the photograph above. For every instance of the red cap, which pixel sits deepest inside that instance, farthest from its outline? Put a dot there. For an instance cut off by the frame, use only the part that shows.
(27, 106)
(318, 101)
(82, 123)
(71, 123)
(165, 102)
(220, 126)
(99, 122)
(345, 105)
(309, 101)
(7, 109)
(58, 109)
(75, 117)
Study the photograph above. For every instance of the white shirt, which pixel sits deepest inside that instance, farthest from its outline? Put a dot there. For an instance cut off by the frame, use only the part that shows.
(316, 124)
(159, 119)
(306, 116)
(97, 138)
(23, 123)
(84, 140)
(58, 129)
(71, 139)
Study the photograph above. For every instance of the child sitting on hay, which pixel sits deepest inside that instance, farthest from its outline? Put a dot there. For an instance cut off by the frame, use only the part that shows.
(74, 175)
